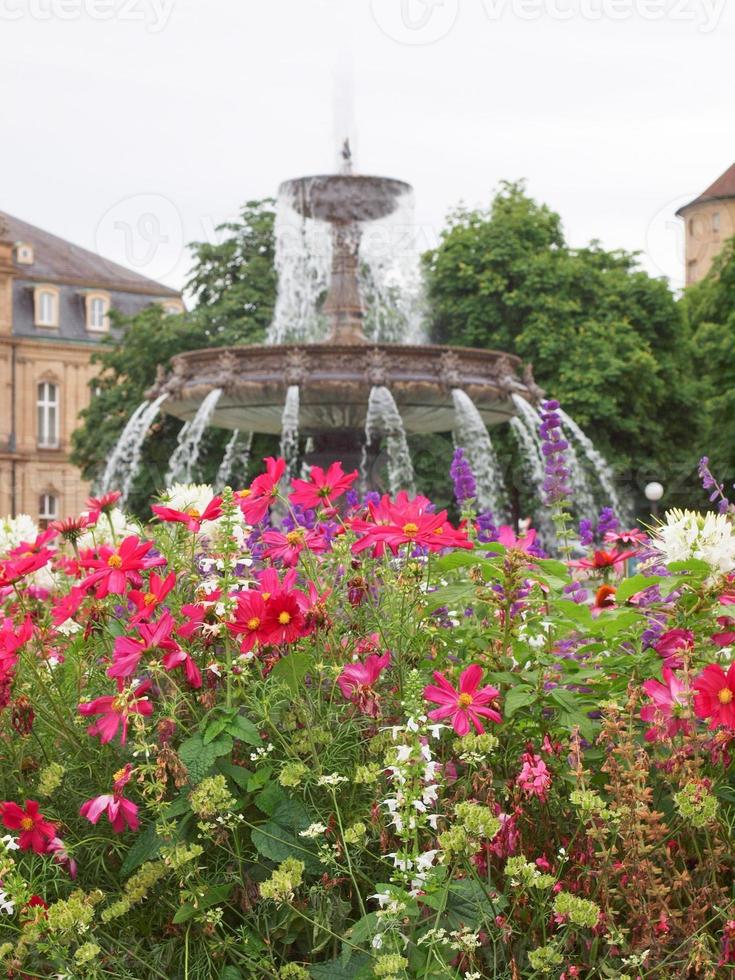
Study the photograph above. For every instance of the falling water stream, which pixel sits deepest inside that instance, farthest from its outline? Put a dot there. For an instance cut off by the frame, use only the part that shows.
(471, 433)
(290, 430)
(124, 463)
(233, 469)
(384, 419)
(186, 455)
(599, 464)
(533, 469)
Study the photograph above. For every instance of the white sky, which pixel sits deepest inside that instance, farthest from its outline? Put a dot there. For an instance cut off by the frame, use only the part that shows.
(134, 126)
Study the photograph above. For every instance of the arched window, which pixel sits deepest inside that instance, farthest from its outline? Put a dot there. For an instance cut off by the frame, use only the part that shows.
(48, 415)
(48, 508)
(47, 306)
(98, 308)
(716, 222)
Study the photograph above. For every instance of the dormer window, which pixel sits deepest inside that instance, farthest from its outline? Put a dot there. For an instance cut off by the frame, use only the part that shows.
(24, 253)
(46, 302)
(173, 307)
(98, 310)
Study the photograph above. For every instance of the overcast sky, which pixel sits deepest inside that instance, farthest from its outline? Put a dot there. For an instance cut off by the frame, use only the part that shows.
(134, 126)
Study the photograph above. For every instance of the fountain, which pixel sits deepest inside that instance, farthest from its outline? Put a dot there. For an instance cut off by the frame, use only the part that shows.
(344, 396)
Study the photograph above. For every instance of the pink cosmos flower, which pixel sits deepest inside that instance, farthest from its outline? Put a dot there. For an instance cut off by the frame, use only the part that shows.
(120, 811)
(669, 699)
(180, 658)
(249, 619)
(406, 521)
(357, 680)
(507, 537)
(669, 645)
(468, 704)
(35, 830)
(256, 500)
(322, 489)
(534, 778)
(115, 710)
(715, 697)
(191, 518)
(147, 602)
(128, 650)
(103, 504)
(603, 560)
(113, 568)
(287, 547)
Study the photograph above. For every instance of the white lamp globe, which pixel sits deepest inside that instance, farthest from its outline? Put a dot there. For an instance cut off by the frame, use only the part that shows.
(654, 492)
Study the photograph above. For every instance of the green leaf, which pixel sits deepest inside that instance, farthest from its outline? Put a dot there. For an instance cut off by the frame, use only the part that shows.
(694, 565)
(270, 798)
(279, 839)
(631, 586)
(292, 670)
(230, 973)
(238, 774)
(565, 699)
(358, 967)
(243, 730)
(516, 698)
(146, 846)
(213, 896)
(575, 611)
(215, 728)
(199, 758)
(259, 778)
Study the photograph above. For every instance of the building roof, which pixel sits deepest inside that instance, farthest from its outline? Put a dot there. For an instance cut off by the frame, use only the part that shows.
(56, 260)
(722, 189)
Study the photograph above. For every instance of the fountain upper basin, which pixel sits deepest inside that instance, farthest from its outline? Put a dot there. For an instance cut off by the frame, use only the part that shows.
(335, 381)
(344, 198)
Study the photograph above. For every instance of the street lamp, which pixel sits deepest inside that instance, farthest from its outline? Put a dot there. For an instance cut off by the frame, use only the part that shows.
(654, 492)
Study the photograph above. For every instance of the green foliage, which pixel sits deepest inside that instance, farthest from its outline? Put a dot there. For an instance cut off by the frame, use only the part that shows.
(709, 308)
(233, 284)
(604, 338)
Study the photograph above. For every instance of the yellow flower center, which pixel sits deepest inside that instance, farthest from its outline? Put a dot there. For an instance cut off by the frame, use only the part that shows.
(26, 823)
(118, 775)
(266, 596)
(193, 512)
(114, 561)
(243, 493)
(295, 537)
(410, 529)
(149, 599)
(284, 618)
(725, 696)
(253, 623)
(465, 700)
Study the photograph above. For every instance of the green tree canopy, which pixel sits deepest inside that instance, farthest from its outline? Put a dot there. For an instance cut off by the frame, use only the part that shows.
(233, 284)
(603, 337)
(709, 309)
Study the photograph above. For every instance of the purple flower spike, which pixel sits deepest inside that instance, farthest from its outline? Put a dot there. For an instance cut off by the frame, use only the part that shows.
(463, 478)
(553, 446)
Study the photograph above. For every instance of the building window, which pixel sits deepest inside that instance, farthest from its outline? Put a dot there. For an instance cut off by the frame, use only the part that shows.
(173, 307)
(48, 415)
(48, 508)
(24, 253)
(98, 309)
(716, 222)
(47, 306)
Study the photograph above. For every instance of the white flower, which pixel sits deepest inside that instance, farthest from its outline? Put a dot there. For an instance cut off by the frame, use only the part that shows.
(9, 843)
(707, 537)
(403, 753)
(313, 830)
(14, 530)
(333, 779)
(6, 904)
(100, 532)
(426, 860)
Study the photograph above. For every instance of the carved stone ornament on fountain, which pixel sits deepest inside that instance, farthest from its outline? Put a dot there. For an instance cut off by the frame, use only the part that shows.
(450, 371)
(295, 370)
(159, 385)
(535, 391)
(227, 376)
(377, 368)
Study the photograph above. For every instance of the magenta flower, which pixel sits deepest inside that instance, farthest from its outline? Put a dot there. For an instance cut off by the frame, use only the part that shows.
(715, 697)
(670, 701)
(669, 645)
(121, 812)
(357, 680)
(534, 778)
(114, 711)
(322, 488)
(468, 704)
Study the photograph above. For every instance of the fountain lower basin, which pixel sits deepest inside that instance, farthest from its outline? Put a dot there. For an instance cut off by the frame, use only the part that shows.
(335, 381)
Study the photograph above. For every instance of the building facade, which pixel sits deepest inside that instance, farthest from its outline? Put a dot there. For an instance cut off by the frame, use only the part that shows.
(55, 301)
(709, 222)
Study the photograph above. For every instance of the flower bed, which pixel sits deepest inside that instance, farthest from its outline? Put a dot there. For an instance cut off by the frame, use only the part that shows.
(315, 736)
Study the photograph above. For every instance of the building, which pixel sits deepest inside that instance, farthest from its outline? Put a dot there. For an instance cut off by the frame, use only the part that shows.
(55, 300)
(709, 222)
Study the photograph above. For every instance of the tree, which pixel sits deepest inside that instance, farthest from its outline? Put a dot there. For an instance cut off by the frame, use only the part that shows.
(604, 338)
(233, 284)
(709, 309)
